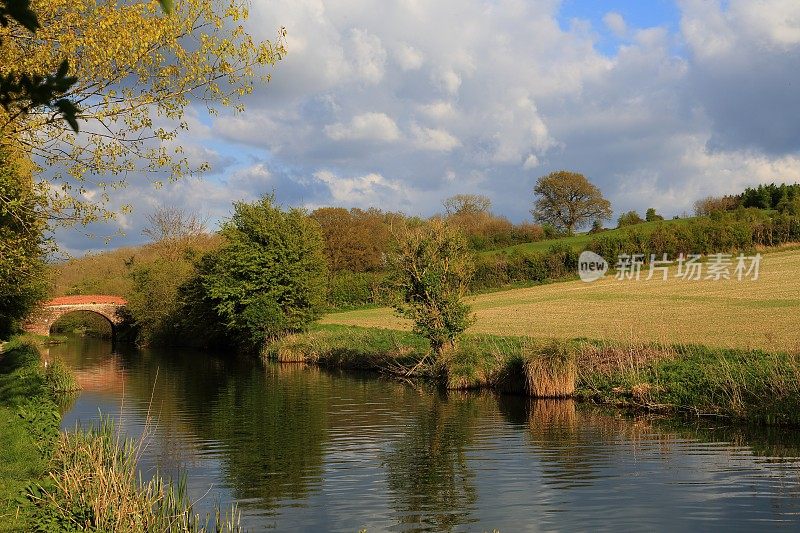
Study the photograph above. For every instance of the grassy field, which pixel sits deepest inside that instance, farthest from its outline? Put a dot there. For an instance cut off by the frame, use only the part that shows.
(762, 314)
(580, 241)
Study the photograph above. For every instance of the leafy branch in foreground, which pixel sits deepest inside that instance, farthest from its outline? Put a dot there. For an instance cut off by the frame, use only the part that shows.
(136, 75)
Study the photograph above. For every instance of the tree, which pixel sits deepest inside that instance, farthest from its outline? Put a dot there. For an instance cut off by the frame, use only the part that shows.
(23, 281)
(268, 279)
(355, 240)
(467, 204)
(430, 268)
(135, 75)
(597, 227)
(710, 204)
(651, 215)
(568, 201)
(173, 229)
(630, 218)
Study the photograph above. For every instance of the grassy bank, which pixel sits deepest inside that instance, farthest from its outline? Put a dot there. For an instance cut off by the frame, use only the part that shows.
(748, 385)
(80, 480)
(29, 421)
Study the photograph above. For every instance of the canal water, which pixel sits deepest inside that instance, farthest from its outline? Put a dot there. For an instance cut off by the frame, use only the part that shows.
(303, 449)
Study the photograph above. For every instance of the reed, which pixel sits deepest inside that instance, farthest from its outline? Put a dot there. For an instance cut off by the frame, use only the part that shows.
(550, 369)
(94, 486)
(59, 378)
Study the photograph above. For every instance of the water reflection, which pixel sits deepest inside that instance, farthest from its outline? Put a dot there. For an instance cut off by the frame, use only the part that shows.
(307, 449)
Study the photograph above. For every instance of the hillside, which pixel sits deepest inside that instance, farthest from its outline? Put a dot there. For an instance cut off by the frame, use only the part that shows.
(764, 313)
(107, 272)
(580, 241)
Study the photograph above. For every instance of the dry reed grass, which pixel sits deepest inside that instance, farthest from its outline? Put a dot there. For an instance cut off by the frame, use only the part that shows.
(550, 370)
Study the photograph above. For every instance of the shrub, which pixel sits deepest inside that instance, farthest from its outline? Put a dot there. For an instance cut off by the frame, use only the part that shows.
(59, 378)
(630, 218)
(430, 269)
(351, 289)
(652, 216)
(268, 279)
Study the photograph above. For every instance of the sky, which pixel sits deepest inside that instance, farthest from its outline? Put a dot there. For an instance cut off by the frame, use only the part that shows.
(401, 103)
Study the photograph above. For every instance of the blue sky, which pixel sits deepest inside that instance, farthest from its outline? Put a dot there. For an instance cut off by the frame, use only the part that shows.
(401, 103)
(637, 14)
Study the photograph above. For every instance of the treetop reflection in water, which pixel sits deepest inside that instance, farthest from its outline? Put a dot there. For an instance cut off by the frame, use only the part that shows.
(305, 449)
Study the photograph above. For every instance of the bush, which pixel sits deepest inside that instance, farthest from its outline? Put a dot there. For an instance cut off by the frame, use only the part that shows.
(630, 218)
(352, 289)
(724, 232)
(267, 280)
(430, 269)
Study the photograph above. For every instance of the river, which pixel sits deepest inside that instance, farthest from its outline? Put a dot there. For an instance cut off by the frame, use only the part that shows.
(303, 449)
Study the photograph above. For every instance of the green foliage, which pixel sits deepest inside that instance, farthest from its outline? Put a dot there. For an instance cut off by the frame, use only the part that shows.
(736, 231)
(153, 300)
(748, 385)
(430, 269)
(83, 323)
(630, 218)
(22, 275)
(22, 92)
(355, 289)
(559, 261)
(29, 420)
(769, 196)
(652, 216)
(59, 378)
(268, 279)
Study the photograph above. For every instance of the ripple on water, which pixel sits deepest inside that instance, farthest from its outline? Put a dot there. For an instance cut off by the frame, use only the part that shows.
(302, 449)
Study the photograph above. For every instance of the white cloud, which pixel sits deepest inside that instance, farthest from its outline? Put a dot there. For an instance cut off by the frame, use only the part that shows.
(473, 96)
(359, 191)
(369, 55)
(409, 57)
(437, 140)
(365, 127)
(448, 80)
(439, 110)
(616, 23)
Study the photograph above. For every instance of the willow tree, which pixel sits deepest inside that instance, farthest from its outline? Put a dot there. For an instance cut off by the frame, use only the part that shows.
(138, 72)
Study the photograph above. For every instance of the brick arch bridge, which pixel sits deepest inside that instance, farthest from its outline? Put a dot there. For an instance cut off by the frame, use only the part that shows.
(109, 307)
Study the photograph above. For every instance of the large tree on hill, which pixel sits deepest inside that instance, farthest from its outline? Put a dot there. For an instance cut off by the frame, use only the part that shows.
(568, 201)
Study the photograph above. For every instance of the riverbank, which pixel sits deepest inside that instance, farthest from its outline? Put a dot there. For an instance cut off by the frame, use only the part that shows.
(77, 480)
(739, 385)
(29, 423)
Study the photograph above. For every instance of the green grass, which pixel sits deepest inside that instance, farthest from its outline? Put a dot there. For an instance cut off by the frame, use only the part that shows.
(29, 422)
(762, 314)
(751, 385)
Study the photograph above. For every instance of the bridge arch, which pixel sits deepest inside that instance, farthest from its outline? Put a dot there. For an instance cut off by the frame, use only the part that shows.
(107, 306)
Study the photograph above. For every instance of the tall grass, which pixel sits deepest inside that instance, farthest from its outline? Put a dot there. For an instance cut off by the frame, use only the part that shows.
(94, 485)
(550, 370)
(59, 378)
